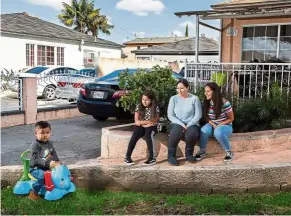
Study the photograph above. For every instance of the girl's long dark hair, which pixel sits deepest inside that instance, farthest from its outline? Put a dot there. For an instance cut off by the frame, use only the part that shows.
(216, 98)
(150, 94)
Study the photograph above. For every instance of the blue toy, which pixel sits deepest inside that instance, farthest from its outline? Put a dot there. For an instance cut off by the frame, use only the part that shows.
(60, 176)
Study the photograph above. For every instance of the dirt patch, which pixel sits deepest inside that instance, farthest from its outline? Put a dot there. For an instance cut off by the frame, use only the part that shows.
(148, 208)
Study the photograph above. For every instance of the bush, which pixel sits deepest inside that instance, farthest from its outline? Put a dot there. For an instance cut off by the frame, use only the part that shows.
(159, 80)
(8, 78)
(220, 78)
(269, 112)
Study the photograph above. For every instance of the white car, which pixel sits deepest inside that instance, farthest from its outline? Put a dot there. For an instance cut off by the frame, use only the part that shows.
(48, 78)
(68, 87)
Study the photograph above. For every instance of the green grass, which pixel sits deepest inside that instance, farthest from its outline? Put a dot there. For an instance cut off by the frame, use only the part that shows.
(85, 202)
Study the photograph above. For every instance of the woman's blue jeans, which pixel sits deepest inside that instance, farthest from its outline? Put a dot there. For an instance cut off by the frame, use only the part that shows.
(221, 133)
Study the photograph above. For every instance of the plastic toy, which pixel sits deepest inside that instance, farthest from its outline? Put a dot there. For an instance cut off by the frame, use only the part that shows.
(58, 181)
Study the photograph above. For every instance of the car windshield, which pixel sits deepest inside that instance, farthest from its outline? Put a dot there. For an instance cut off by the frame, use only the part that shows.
(37, 70)
(113, 76)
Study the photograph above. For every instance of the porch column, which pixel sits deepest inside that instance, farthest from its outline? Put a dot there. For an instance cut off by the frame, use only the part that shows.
(196, 52)
(197, 40)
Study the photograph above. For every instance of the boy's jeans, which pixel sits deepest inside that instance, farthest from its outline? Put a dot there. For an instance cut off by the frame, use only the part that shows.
(221, 133)
(39, 175)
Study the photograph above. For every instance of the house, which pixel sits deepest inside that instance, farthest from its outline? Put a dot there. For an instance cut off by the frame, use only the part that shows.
(28, 41)
(251, 30)
(254, 46)
(180, 51)
(140, 43)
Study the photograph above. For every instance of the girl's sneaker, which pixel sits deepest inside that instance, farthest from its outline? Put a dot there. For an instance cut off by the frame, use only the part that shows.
(150, 161)
(128, 161)
(229, 156)
(200, 155)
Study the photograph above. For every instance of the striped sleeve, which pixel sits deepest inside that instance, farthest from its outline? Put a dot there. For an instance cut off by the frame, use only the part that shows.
(227, 106)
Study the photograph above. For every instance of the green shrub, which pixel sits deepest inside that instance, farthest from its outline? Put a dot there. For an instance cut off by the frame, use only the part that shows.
(159, 80)
(220, 78)
(266, 113)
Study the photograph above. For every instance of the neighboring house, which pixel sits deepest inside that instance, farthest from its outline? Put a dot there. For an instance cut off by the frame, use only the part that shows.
(140, 43)
(251, 30)
(27, 41)
(180, 51)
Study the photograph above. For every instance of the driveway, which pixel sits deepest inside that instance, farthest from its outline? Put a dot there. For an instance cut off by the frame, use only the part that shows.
(10, 102)
(76, 139)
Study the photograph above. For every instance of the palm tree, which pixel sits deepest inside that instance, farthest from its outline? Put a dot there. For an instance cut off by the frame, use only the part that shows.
(97, 22)
(74, 15)
(84, 17)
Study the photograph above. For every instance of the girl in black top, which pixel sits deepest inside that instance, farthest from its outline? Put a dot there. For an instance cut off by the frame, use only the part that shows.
(146, 117)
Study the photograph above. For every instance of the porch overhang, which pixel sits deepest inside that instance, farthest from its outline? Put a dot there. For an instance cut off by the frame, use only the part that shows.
(268, 9)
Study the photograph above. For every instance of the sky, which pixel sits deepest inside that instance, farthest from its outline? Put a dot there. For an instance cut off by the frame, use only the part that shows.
(131, 18)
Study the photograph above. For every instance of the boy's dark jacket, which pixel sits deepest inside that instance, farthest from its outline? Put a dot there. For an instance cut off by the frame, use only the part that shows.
(42, 154)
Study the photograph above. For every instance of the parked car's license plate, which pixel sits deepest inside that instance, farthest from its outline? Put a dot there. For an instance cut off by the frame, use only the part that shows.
(98, 94)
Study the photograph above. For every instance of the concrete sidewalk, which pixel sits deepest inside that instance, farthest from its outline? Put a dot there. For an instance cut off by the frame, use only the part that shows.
(76, 139)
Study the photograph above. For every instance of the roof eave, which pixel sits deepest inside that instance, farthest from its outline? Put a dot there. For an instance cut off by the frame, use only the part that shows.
(67, 39)
(175, 53)
(247, 16)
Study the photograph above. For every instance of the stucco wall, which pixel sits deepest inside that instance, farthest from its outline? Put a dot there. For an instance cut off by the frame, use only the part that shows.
(107, 65)
(13, 52)
(231, 46)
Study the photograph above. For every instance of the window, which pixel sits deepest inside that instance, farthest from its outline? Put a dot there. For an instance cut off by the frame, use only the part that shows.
(150, 45)
(285, 43)
(138, 47)
(261, 43)
(89, 56)
(45, 55)
(60, 56)
(29, 54)
(143, 58)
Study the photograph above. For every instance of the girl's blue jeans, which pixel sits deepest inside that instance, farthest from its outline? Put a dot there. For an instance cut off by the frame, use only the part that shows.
(221, 133)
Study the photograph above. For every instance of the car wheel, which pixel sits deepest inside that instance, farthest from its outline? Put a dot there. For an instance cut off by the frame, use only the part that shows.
(100, 118)
(49, 93)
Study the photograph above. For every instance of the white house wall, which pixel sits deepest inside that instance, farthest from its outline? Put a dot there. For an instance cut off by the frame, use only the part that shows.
(181, 58)
(13, 52)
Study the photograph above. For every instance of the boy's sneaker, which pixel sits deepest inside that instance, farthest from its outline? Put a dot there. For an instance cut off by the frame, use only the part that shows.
(229, 156)
(200, 155)
(150, 161)
(129, 161)
(33, 196)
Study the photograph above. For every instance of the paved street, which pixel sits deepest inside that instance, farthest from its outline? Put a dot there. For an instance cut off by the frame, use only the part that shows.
(76, 139)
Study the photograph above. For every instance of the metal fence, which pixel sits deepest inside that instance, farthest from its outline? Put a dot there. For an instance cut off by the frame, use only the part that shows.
(60, 88)
(241, 80)
(10, 90)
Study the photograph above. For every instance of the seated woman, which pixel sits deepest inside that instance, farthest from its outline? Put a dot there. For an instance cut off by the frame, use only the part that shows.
(184, 112)
(219, 116)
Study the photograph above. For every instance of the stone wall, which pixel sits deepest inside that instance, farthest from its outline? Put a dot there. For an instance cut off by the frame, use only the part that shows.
(183, 179)
(115, 139)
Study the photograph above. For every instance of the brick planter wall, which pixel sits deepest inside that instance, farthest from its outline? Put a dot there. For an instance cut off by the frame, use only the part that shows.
(115, 139)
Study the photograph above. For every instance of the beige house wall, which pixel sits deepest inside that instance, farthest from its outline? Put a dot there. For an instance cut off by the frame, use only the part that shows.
(107, 65)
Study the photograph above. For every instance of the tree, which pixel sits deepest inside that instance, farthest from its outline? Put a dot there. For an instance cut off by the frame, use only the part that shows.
(186, 32)
(97, 22)
(83, 16)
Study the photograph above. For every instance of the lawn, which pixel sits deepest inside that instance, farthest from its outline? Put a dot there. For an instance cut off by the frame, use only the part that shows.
(85, 202)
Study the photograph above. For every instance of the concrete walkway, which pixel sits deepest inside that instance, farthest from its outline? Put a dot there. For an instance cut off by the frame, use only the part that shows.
(76, 139)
